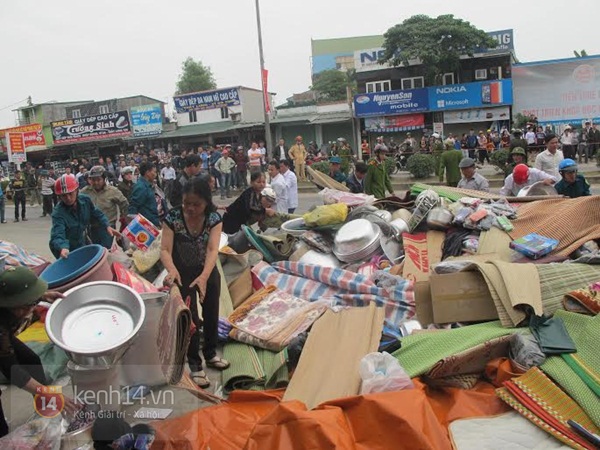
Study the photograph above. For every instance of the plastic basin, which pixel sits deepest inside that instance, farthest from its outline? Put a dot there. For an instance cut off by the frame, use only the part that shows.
(67, 269)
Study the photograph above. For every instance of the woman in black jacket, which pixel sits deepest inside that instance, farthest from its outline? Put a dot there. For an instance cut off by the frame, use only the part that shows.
(247, 207)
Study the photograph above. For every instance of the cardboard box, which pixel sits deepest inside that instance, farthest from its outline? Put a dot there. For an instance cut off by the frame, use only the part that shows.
(461, 297)
(423, 303)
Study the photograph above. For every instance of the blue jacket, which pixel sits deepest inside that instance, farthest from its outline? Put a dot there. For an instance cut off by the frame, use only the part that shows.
(143, 201)
(70, 225)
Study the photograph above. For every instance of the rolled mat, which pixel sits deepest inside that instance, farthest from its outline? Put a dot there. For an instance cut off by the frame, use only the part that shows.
(585, 332)
(554, 219)
(322, 180)
(253, 368)
(455, 194)
(173, 340)
(422, 351)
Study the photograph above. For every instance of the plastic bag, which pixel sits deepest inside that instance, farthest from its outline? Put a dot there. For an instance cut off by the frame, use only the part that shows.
(145, 260)
(332, 196)
(381, 372)
(326, 215)
(525, 351)
(40, 433)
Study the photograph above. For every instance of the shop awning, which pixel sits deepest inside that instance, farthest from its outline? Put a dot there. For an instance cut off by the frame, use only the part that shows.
(198, 130)
(314, 118)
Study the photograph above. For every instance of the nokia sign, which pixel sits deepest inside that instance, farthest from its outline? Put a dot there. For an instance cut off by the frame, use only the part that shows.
(450, 89)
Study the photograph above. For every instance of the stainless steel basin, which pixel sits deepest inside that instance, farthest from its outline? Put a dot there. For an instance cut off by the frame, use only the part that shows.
(96, 322)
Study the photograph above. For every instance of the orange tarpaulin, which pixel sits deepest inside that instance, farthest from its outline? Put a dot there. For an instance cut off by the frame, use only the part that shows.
(412, 419)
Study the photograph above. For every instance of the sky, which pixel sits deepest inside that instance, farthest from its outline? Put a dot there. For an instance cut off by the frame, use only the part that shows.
(67, 50)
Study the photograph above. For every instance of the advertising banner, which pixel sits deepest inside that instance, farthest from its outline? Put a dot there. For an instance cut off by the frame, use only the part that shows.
(391, 124)
(33, 135)
(16, 147)
(91, 128)
(470, 95)
(199, 101)
(146, 120)
(265, 87)
(477, 115)
(391, 102)
(558, 91)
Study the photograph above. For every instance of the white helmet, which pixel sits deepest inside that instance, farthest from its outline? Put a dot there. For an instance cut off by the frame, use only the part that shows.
(435, 135)
(269, 193)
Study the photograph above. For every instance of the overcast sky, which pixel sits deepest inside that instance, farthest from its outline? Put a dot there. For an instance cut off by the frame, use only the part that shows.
(80, 50)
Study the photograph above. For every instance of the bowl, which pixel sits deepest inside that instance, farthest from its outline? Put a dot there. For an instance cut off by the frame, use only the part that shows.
(79, 261)
(96, 322)
(356, 240)
(536, 189)
(101, 271)
(295, 227)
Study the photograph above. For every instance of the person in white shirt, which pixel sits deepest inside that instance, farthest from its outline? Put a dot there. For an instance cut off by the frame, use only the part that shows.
(225, 165)
(168, 175)
(292, 185)
(530, 137)
(548, 160)
(523, 176)
(263, 155)
(279, 185)
(254, 156)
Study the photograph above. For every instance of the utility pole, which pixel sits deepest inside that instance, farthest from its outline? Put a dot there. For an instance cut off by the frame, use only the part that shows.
(265, 92)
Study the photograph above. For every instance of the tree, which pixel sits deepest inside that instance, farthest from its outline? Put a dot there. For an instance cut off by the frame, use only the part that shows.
(581, 54)
(195, 77)
(438, 42)
(331, 84)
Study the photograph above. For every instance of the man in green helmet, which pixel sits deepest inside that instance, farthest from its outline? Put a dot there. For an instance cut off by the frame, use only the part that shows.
(517, 156)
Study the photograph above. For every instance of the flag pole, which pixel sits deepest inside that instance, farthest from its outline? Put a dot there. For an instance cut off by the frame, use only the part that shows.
(263, 83)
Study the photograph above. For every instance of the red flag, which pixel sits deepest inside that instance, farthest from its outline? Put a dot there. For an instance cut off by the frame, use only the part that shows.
(265, 78)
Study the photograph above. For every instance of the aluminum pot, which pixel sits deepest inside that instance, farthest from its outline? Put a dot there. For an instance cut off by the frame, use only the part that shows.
(356, 240)
(96, 322)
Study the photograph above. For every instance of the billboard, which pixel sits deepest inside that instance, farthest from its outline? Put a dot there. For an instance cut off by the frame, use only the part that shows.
(146, 120)
(16, 147)
(33, 135)
(391, 103)
(91, 128)
(391, 124)
(477, 115)
(199, 101)
(558, 91)
(470, 95)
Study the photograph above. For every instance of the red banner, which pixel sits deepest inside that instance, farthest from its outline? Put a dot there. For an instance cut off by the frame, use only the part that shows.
(16, 147)
(404, 122)
(32, 134)
(265, 79)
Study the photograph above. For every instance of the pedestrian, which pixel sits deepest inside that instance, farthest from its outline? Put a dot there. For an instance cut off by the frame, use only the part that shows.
(335, 169)
(33, 189)
(380, 145)
(214, 157)
(297, 153)
(191, 168)
(254, 158)
(281, 151)
(472, 143)
(47, 184)
(518, 141)
(18, 188)
(378, 179)
(204, 157)
(225, 165)
(548, 160)
(471, 179)
(437, 148)
(241, 161)
(482, 148)
(449, 163)
(263, 155)
(524, 176)
(356, 181)
(126, 185)
(143, 200)
(2, 200)
(76, 221)
(168, 175)
(517, 156)
(292, 185)
(572, 184)
(594, 142)
(247, 207)
(20, 292)
(108, 199)
(189, 247)
(567, 139)
(279, 185)
(365, 150)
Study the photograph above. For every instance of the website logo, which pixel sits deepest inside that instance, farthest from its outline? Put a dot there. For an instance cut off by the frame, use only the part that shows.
(48, 401)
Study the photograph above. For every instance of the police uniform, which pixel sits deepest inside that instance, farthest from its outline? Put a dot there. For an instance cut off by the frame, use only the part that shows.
(580, 188)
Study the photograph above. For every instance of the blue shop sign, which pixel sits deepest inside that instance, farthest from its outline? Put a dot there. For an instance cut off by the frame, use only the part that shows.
(199, 101)
(391, 102)
(146, 120)
(470, 95)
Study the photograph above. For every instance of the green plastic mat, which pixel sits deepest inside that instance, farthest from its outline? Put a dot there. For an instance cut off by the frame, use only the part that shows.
(585, 332)
(254, 368)
(421, 351)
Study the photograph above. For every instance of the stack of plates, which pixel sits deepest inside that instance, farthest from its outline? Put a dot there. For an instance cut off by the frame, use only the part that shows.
(357, 241)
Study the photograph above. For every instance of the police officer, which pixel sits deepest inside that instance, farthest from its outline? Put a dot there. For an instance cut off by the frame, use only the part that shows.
(572, 184)
(20, 291)
(517, 156)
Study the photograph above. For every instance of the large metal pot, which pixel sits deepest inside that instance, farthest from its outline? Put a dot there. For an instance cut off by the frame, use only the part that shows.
(356, 240)
(140, 363)
(96, 322)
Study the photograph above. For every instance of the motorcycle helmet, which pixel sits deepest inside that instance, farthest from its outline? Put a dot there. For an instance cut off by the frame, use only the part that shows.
(567, 165)
(65, 184)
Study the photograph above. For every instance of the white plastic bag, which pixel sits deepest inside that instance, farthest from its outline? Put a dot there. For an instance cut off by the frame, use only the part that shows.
(381, 372)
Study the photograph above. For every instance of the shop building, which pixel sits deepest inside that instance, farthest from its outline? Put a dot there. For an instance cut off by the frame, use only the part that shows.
(221, 116)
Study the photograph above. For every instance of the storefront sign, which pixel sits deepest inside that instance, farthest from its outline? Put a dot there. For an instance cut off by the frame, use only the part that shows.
(561, 91)
(390, 124)
(477, 115)
(32, 134)
(390, 103)
(91, 128)
(146, 120)
(16, 147)
(207, 100)
(470, 95)
(438, 127)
